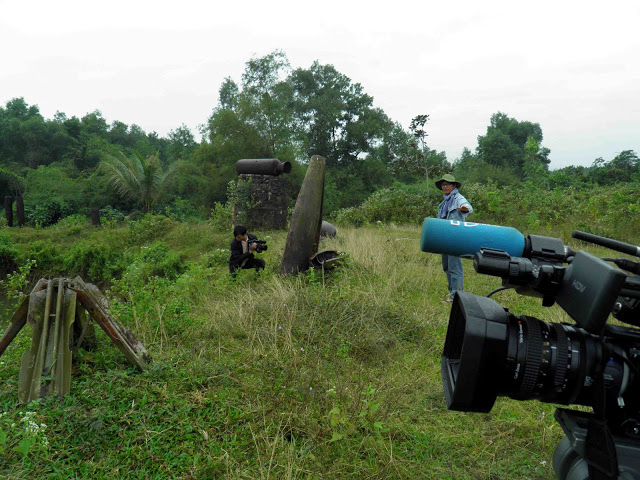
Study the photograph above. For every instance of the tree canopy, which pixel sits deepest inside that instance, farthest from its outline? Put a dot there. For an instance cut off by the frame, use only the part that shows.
(273, 111)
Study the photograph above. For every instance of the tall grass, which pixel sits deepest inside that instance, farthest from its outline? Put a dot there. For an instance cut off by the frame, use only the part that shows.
(330, 374)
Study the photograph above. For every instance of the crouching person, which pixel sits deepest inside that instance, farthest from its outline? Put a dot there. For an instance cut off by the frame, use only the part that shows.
(243, 247)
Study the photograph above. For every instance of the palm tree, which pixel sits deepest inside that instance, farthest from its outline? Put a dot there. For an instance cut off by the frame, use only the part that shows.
(139, 178)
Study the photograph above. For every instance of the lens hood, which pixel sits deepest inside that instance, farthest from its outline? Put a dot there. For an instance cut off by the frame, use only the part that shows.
(474, 349)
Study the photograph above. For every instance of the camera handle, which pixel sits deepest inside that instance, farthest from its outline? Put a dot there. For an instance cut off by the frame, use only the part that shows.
(607, 242)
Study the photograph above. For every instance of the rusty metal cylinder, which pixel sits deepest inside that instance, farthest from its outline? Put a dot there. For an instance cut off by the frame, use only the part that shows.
(95, 217)
(306, 219)
(262, 166)
(20, 210)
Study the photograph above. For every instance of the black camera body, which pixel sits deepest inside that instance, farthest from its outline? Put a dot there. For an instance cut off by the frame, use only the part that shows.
(491, 352)
(261, 245)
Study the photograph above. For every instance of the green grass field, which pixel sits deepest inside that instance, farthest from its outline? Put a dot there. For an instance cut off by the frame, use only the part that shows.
(317, 376)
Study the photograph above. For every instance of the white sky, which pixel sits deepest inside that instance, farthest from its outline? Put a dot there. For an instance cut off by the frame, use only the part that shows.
(571, 66)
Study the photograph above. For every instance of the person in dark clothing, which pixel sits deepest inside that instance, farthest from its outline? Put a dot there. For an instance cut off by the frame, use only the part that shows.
(242, 251)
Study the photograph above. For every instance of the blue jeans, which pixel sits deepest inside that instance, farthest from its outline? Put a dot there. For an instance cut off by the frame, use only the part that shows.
(452, 267)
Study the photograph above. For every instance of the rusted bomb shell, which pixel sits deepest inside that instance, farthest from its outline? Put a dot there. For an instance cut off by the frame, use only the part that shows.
(304, 230)
(262, 166)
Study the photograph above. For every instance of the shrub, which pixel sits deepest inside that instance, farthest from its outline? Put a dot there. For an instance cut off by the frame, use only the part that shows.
(148, 227)
(46, 255)
(221, 217)
(47, 213)
(110, 215)
(182, 210)
(160, 261)
(398, 204)
(93, 262)
(8, 255)
(73, 224)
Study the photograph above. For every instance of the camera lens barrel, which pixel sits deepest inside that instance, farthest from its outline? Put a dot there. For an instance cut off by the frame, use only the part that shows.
(490, 352)
(547, 361)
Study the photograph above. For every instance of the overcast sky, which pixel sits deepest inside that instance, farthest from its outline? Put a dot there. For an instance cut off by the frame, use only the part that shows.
(571, 66)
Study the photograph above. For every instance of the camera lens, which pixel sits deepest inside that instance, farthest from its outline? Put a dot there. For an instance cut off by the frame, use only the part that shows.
(550, 362)
(490, 352)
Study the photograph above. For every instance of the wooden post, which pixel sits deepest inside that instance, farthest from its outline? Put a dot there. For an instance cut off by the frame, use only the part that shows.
(20, 210)
(8, 210)
(95, 217)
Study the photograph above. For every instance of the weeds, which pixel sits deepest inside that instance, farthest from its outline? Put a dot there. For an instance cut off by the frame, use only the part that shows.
(333, 375)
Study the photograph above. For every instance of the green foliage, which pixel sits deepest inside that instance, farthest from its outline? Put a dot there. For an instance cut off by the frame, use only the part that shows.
(263, 376)
(530, 206)
(15, 285)
(182, 210)
(110, 216)
(400, 204)
(8, 254)
(94, 263)
(47, 255)
(346, 187)
(139, 178)
(12, 182)
(221, 217)
(344, 424)
(505, 141)
(158, 260)
(239, 194)
(73, 224)
(337, 118)
(149, 227)
(50, 194)
(23, 434)
(470, 169)
(47, 213)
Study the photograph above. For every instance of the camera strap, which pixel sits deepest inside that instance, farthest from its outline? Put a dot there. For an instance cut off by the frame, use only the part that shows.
(600, 448)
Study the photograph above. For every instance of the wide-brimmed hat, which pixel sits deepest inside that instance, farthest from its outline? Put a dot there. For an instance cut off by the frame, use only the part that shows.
(447, 178)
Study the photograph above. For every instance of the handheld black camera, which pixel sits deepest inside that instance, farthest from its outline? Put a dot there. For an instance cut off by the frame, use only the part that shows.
(261, 246)
(491, 352)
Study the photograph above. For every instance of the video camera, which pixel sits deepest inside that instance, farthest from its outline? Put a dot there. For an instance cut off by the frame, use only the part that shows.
(261, 245)
(491, 352)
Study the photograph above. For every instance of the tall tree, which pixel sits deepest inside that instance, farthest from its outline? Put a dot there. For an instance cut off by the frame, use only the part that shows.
(624, 167)
(505, 140)
(534, 168)
(265, 99)
(181, 143)
(334, 117)
(228, 94)
(418, 160)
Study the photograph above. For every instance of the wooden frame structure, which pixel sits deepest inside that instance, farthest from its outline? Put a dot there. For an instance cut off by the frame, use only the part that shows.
(55, 309)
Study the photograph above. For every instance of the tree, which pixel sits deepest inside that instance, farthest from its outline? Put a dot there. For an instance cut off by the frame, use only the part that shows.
(505, 140)
(622, 168)
(181, 143)
(468, 168)
(139, 178)
(418, 160)
(228, 94)
(334, 117)
(416, 127)
(11, 182)
(534, 169)
(265, 99)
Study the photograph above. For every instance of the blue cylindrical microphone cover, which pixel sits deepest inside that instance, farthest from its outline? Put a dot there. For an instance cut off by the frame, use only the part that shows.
(453, 237)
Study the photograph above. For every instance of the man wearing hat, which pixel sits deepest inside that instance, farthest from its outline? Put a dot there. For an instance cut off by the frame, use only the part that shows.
(453, 207)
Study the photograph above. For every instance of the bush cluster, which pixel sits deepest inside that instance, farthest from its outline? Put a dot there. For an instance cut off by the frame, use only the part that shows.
(610, 212)
(8, 255)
